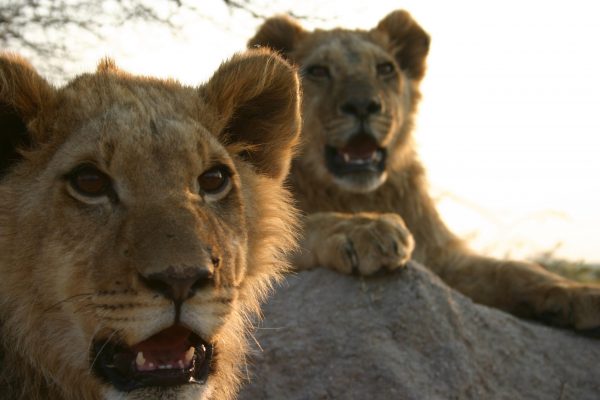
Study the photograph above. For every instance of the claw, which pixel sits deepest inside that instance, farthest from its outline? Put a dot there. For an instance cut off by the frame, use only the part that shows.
(352, 256)
(395, 248)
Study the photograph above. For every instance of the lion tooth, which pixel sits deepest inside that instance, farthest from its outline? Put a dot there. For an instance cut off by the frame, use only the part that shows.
(358, 161)
(189, 355)
(139, 359)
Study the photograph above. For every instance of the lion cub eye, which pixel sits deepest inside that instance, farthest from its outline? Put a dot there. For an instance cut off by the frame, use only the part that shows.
(89, 181)
(386, 69)
(317, 71)
(215, 183)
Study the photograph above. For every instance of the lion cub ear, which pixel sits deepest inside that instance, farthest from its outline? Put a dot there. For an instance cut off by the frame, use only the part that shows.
(410, 43)
(257, 97)
(281, 33)
(23, 94)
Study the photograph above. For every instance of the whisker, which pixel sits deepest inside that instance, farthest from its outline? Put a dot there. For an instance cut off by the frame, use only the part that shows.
(100, 351)
(256, 341)
(245, 361)
(96, 330)
(68, 299)
(87, 308)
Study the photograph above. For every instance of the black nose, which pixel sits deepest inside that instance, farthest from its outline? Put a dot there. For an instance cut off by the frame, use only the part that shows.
(361, 107)
(179, 284)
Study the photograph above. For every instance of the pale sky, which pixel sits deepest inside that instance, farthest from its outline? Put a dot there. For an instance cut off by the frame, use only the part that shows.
(509, 126)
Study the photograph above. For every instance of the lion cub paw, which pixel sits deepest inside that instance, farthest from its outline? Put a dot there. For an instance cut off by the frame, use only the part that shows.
(576, 306)
(362, 243)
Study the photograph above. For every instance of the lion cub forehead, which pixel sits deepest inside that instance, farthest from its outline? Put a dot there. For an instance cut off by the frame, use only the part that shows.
(349, 49)
(108, 88)
(110, 115)
(141, 136)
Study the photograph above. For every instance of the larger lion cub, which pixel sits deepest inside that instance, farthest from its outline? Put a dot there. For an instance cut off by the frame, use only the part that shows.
(140, 222)
(362, 185)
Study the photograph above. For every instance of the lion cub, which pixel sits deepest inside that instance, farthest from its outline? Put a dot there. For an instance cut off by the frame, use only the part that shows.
(141, 222)
(362, 186)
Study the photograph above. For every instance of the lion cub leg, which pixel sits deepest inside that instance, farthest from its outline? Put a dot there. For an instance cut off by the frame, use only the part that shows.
(360, 243)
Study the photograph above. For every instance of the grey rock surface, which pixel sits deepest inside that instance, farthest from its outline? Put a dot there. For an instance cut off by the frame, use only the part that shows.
(406, 335)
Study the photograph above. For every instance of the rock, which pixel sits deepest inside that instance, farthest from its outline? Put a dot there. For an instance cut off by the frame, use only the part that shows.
(406, 335)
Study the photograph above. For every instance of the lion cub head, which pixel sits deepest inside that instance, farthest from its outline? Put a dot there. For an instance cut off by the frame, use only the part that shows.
(360, 94)
(140, 222)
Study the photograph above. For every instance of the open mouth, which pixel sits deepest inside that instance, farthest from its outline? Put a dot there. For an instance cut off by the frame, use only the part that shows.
(173, 357)
(360, 154)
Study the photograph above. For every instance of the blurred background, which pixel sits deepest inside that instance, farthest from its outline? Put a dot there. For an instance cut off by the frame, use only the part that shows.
(509, 126)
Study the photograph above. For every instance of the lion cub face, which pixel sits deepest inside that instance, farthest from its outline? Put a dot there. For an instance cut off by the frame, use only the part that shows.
(140, 221)
(360, 92)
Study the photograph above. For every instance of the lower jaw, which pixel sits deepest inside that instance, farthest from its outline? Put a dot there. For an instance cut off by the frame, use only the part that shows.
(364, 182)
(199, 392)
(127, 379)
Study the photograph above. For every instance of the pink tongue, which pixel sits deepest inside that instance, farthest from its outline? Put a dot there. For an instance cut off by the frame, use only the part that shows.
(170, 344)
(361, 147)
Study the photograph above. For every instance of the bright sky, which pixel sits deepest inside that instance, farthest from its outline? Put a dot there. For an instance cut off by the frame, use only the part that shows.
(509, 127)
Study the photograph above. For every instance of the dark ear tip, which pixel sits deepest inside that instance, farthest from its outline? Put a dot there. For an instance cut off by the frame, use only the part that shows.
(399, 14)
(279, 33)
(23, 93)
(281, 21)
(409, 39)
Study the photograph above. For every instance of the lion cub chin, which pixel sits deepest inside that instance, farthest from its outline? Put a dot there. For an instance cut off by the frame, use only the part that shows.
(141, 223)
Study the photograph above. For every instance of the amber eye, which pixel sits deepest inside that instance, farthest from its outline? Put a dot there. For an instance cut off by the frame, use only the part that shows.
(215, 182)
(386, 69)
(87, 180)
(317, 71)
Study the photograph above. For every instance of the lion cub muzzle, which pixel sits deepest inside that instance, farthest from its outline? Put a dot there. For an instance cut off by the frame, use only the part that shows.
(357, 161)
(176, 263)
(172, 357)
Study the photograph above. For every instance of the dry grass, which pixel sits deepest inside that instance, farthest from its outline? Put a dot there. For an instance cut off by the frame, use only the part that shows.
(576, 270)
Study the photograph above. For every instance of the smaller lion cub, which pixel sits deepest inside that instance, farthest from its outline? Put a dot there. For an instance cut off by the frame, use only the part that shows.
(362, 187)
(141, 223)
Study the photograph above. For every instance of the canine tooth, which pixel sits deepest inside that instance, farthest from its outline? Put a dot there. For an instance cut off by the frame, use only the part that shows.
(189, 354)
(347, 157)
(151, 365)
(181, 366)
(140, 360)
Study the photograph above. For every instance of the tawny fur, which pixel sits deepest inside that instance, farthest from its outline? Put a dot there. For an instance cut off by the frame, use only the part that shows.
(381, 222)
(70, 267)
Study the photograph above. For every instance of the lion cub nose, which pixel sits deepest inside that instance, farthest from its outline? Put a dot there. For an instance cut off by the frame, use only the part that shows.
(179, 284)
(361, 107)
